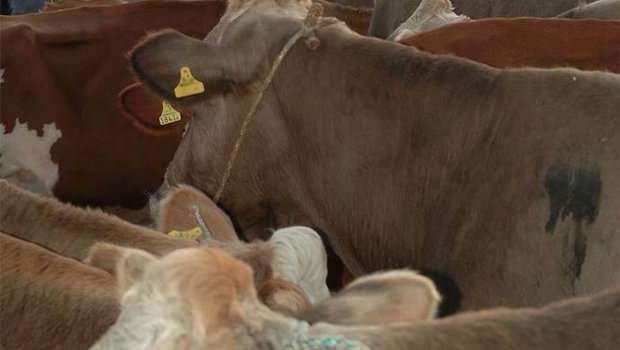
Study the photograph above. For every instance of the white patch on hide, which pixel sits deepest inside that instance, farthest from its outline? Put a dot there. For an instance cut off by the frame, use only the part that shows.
(1, 75)
(430, 14)
(299, 257)
(25, 158)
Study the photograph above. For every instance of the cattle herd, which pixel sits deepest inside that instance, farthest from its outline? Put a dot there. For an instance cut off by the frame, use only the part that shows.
(310, 175)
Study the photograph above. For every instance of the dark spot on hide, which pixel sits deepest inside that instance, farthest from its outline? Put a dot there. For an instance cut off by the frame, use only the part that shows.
(335, 266)
(573, 190)
(451, 295)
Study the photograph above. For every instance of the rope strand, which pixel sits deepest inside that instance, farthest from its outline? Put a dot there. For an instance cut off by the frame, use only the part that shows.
(311, 23)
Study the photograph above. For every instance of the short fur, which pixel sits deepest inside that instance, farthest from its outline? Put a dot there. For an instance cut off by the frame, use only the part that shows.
(429, 15)
(389, 14)
(357, 18)
(283, 297)
(71, 231)
(175, 213)
(383, 298)
(49, 301)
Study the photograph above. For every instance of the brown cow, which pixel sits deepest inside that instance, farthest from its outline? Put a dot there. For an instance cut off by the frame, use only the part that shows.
(51, 302)
(402, 157)
(606, 9)
(217, 307)
(61, 129)
(223, 298)
(71, 231)
(294, 254)
(389, 14)
(174, 212)
(545, 43)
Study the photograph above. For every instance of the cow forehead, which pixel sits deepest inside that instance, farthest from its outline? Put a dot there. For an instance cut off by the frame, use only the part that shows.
(244, 12)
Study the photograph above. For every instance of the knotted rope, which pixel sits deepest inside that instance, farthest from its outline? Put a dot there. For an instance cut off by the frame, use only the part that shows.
(312, 22)
(301, 341)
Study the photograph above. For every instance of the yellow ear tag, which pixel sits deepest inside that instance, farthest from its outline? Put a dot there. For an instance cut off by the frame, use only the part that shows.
(188, 85)
(168, 114)
(190, 234)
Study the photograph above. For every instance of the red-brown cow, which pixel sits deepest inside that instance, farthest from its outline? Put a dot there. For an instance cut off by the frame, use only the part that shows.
(61, 130)
(585, 44)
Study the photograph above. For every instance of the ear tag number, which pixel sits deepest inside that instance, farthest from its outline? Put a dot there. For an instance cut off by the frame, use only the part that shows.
(190, 234)
(188, 85)
(168, 115)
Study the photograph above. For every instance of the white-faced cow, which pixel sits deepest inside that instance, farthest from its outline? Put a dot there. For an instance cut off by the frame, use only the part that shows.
(166, 306)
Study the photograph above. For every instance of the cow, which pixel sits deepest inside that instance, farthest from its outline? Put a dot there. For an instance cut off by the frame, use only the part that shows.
(294, 254)
(218, 308)
(62, 132)
(428, 15)
(51, 302)
(604, 9)
(588, 44)
(71, 231)
(221, 277)
(174, 212)
(389, 14)
(405, 159)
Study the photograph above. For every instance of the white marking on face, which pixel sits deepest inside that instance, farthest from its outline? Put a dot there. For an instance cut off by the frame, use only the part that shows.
(25, 158)
(1, 75)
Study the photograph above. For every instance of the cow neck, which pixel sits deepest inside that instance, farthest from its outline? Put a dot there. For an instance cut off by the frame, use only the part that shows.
(312, 22)
(229, 19)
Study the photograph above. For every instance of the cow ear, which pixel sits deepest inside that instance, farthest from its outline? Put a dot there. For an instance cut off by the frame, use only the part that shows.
(127, 263)
(104, 256)
(131, 266)
(382, 298)
(158, 59)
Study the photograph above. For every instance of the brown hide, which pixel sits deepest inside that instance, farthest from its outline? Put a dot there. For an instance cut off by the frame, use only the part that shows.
(389, 14)
(71, 231)
(51, 302)
(67, 67)
(175, 213)
(532, 42)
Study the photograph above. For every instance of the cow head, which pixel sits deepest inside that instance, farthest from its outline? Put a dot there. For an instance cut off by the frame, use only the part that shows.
(191, 299)
(234, 56)
(204, 298)
(231, 63)
(383, 298)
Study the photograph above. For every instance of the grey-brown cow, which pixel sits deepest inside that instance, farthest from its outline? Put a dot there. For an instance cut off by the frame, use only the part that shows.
(505, 179)
(389, 14)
